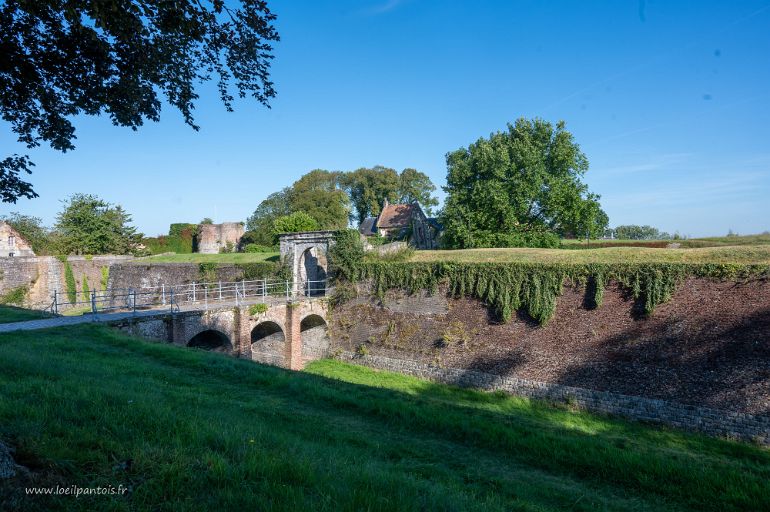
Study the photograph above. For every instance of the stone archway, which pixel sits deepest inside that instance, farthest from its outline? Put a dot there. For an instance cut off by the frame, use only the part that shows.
(314, 333)
(312, 272)
(268, 343)
(211, 339)
(306, 254)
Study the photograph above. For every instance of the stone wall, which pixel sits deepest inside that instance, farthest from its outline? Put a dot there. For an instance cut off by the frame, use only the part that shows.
(44, 275)
(212, 238)
(746, 427)
(147, 275)
(708, 347)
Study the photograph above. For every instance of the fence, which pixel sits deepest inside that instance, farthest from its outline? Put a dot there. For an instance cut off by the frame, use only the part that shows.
(190, 296)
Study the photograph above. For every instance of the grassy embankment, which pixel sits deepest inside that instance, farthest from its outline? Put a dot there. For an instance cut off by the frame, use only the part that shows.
(748, 254)
(232, 257)
(10, 314)
(189, 430)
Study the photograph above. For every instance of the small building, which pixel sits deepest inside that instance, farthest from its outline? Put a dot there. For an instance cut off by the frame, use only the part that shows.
(403, 222)
(12, 244)
(216, 238)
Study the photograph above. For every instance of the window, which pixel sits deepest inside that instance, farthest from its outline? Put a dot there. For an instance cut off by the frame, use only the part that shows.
(11, 241)
(10, 255)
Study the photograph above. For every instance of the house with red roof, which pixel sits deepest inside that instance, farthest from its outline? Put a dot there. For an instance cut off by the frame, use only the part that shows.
(403, 222)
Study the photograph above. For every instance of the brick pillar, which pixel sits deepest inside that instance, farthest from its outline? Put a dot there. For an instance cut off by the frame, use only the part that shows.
(178, 330)
(243, 333)
(293, 357)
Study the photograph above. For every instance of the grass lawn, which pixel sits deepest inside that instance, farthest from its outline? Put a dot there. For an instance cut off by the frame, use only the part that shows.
(690, 243)
(13, 314)
(190, 430)
(730, 254)
(232, 257)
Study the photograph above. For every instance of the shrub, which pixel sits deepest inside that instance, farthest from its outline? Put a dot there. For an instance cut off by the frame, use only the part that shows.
(346, 253)
(15, 297)
(362, 350)
(70, 283)
(258, 248)
(105, 277)
(207, 271)
(257, 309)
(85, 291)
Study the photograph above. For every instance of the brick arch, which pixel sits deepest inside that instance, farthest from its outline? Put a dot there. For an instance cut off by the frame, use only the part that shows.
(268, 342)
(314, 335)
(211, 339)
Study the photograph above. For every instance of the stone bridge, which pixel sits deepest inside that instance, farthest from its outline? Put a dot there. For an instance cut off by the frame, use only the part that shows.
(287, 335)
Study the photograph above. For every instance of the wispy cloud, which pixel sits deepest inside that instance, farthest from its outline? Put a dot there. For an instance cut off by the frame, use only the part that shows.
(383, 7)
(670, 161)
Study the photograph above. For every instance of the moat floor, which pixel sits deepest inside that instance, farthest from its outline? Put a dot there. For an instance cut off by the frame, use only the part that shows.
(184, 429)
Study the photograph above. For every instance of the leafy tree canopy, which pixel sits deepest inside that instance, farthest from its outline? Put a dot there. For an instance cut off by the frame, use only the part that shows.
(260, 224)
(318, 194)
(293, 223)
(369, 187)
(89, 225)
(60, 59)
(635, 232)
(519, 187)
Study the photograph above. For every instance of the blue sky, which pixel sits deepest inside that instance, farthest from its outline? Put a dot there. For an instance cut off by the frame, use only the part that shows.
(669, 100)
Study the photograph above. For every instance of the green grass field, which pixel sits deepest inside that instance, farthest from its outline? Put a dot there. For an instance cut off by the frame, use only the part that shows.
(233, 257)
(739, 254)
(690, 243)
(13, 314)
(190, 430)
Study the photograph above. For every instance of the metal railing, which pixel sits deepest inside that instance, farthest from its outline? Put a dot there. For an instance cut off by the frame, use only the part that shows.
(190, 296)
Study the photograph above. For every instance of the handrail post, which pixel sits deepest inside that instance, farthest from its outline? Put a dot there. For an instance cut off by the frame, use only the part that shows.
(220, 290)
(163, 292)
(133, 300)
(172, 301)
(193, 287)
(206, 296)
(93, 301)
(264, 290)
(55, 302)
(287, 290)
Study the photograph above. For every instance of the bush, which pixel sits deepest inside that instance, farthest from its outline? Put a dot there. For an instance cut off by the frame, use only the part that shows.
(86, 292)
(70, 283)
(15, 297)
(257, 309)
(346, 253)
(258, 248)
(540, 239)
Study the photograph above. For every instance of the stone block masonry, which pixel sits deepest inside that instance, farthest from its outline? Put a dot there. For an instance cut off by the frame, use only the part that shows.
(733, 425)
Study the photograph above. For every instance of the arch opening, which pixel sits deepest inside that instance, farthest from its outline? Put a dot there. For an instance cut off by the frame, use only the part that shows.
(211, 339)
(268, 343)
(314, 333)
(312, 272)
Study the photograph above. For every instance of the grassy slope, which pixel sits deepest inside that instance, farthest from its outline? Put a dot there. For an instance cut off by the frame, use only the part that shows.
(742, 254)
(13, 314)
(690, 243)
(238, 257)
(205, 431)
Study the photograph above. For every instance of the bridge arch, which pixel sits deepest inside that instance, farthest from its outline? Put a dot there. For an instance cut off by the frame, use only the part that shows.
(211, 339)
(268, 343)
(314, 333)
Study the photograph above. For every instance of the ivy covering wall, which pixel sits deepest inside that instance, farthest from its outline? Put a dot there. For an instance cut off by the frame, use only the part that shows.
(534, 288)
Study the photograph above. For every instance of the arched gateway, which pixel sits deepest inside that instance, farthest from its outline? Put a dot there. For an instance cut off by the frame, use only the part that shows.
(306, 254)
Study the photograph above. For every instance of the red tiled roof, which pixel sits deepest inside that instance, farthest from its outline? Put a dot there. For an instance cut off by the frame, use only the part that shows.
(395, 216)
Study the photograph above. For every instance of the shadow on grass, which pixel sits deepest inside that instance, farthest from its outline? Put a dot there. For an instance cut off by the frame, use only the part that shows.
(636, 460)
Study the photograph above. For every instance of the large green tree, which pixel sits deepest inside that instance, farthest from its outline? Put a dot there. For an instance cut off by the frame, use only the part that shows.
(260, 224)
(522, 186)
(317, 193)
(89, 225)
(122, 58)
(369, 187)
